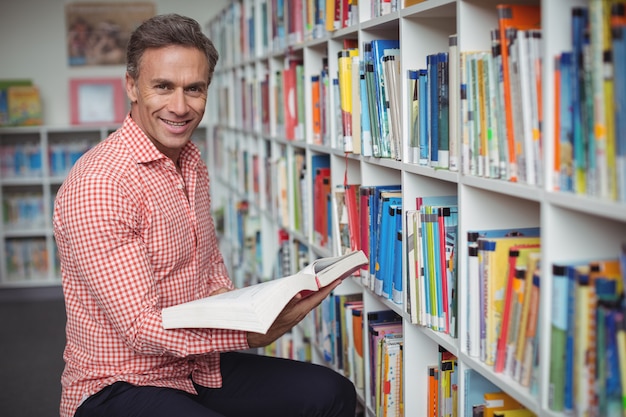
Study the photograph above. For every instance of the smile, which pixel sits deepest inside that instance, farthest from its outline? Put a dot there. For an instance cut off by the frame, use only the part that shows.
(174, 123)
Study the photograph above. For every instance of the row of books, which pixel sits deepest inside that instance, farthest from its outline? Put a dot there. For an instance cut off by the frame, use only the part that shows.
(25, 159)
(251, 28)
(588, 337)
(590, 112)
(26, 259)
(443, 386)
(432, 253)
(349, 333)
(503, 280)
(23, 210)
(21, 160)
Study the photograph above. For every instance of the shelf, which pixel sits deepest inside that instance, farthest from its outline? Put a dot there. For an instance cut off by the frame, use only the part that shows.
(491, 193)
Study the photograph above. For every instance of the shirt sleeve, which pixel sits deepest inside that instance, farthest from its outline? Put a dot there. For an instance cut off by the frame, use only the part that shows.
(102, 224)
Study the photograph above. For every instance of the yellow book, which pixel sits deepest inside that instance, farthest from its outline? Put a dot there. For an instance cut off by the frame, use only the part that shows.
(330, 15)
(519, 412)
(24, 105)
(498, 401)
(344, 64)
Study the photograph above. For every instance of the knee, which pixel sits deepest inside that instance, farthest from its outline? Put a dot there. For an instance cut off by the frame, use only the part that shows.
(339, 394)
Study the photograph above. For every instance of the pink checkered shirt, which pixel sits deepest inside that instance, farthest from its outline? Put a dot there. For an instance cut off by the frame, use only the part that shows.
(131, 244)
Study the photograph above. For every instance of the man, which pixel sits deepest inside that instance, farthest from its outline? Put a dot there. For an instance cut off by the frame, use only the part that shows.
(135, 235)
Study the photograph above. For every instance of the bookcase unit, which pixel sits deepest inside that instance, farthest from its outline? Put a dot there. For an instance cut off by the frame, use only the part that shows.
(254, 167)
(34, 161)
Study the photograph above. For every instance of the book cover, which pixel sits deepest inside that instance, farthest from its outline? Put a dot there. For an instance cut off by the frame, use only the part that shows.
(432, 63)
(424, 108)
(413, 114)
(4, 99)
(355, 100)
(366, 126)
(364, 229)
(255, 307)
(397, 288)
(316, 109)
(344, 64)
(385, 247)
(454, 102)
(558, 337)
(25, 108)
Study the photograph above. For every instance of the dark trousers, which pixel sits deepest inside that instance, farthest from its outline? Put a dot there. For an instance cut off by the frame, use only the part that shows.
(253, 385)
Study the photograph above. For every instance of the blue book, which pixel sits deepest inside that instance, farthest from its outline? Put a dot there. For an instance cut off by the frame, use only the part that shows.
(566, 169)
(374, 231)
(476, 386)
(424, 152)
(443, 139)
(618, 43)
(432, 62)
(579, 95)
(398, 287)
(385, 238)
(366, 129)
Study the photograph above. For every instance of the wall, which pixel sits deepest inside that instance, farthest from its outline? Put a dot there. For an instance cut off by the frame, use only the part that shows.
(32, 45)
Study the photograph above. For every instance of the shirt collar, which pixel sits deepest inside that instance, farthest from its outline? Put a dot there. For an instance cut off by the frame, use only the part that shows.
(144, 151)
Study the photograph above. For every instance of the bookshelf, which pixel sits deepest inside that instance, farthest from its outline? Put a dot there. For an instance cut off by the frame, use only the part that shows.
(246, 124)
(34, 161)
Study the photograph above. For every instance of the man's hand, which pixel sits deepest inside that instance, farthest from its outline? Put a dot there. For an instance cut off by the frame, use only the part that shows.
(220, 290)
(291, 315)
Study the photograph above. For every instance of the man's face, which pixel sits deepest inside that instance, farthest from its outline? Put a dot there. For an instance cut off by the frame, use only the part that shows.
(169, 96)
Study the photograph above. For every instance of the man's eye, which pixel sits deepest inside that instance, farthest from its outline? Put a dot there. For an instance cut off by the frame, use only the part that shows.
(161, 87)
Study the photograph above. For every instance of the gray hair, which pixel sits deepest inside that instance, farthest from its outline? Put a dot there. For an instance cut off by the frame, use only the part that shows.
(165, 30)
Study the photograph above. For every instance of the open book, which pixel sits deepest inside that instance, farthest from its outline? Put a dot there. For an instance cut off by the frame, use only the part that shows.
(254, 308)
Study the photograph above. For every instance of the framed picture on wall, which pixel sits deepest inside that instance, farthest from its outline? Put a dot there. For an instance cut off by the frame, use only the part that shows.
(97, 32)
(97, 101)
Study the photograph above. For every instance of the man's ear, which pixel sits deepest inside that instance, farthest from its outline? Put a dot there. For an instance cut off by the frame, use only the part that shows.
(131, 88)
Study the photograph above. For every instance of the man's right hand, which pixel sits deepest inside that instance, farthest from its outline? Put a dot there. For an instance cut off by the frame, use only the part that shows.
(291, 315)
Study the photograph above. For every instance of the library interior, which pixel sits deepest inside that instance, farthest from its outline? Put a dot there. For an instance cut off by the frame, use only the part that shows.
(474, 151)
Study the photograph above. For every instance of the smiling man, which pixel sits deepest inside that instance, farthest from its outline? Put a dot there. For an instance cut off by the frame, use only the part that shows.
(134, 234)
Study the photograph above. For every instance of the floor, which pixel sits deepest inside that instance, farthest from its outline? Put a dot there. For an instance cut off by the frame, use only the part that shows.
(31, 362)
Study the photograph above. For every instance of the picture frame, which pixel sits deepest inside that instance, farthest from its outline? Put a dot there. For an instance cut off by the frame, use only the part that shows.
(97, 101)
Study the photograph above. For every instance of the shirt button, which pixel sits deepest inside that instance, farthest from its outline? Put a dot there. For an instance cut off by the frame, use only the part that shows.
(180, 186)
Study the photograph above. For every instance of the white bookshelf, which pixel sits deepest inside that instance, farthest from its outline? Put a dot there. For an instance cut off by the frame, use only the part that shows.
(572, 226)
(28, 256)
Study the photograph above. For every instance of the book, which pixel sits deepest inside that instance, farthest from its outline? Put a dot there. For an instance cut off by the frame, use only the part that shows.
(498, 401)
(519, 412)
(24, 105)
(254, 308)
(4, 99)
(344, 63)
